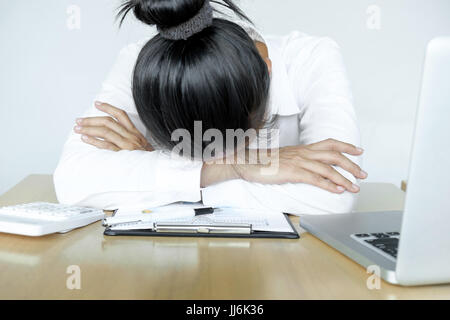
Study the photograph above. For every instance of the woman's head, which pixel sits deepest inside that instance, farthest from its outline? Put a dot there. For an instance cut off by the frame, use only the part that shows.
(215, 76)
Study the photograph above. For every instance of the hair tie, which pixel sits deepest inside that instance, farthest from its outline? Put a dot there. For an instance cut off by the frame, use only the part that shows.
(203, 19)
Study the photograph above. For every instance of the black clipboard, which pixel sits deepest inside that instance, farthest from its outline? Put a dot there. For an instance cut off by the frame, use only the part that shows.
(255, 234)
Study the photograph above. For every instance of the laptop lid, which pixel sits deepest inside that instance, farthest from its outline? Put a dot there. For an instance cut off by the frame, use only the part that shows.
(424, 252)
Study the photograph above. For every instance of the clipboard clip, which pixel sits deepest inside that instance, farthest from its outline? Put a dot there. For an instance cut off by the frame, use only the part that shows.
(108, 214)
(203, 229)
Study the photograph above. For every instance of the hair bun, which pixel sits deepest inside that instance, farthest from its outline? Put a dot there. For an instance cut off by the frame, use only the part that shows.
(162, 13)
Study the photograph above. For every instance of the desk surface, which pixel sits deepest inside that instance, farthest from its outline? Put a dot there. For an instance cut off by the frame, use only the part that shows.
(197, 268)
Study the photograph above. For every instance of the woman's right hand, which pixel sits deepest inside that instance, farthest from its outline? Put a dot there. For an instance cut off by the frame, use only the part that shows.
(310, 164)
(114, 132)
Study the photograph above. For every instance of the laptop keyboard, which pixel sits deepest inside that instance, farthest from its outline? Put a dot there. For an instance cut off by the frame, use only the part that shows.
(385, 243)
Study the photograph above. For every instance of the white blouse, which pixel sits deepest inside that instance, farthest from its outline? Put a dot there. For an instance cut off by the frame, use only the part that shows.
(309, 92)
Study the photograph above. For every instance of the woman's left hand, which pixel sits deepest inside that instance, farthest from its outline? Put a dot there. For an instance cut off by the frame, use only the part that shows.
(114, 133)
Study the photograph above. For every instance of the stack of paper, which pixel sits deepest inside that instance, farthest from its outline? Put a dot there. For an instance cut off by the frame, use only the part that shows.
(183, 213)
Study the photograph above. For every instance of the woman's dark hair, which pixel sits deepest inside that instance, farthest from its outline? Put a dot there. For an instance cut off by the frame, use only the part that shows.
(216, 76)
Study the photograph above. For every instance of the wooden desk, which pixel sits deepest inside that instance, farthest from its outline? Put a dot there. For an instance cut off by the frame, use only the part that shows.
(173, 268)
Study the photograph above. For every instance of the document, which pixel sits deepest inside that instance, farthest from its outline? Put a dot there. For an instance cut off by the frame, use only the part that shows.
(182, 213)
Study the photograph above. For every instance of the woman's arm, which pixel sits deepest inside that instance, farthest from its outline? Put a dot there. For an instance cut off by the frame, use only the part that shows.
(103, 178)
(299, 177)
(325, 99)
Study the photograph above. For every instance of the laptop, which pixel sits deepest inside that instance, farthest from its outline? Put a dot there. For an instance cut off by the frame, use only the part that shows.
(410, 247)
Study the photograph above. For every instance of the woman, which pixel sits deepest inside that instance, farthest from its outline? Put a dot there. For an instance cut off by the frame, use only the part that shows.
(227, 76)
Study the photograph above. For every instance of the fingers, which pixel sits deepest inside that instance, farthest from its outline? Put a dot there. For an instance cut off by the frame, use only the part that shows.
(328, 172)
(108, 135)
(104, 122)
(105, 145)
(338, 159)
(335, 145)
(117, 113)
(113, 125)
(319, 181)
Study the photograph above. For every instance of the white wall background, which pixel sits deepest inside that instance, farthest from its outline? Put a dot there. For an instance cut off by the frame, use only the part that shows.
(49, 73)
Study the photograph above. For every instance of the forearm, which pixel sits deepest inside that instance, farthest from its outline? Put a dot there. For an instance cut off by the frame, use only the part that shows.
(215, 173)
(85, 172)
(289, 198)
(232, 168)
(287, 187)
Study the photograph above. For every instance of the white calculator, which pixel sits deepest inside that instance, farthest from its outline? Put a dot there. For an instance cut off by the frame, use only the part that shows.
(41, 218)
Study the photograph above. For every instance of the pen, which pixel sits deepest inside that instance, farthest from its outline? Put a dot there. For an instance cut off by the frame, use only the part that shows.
(198, 211)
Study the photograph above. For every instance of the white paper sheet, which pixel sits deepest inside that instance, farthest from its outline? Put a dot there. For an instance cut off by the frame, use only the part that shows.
(184, 214)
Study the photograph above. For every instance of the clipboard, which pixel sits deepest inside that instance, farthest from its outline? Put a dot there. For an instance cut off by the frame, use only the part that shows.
(253, 233)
